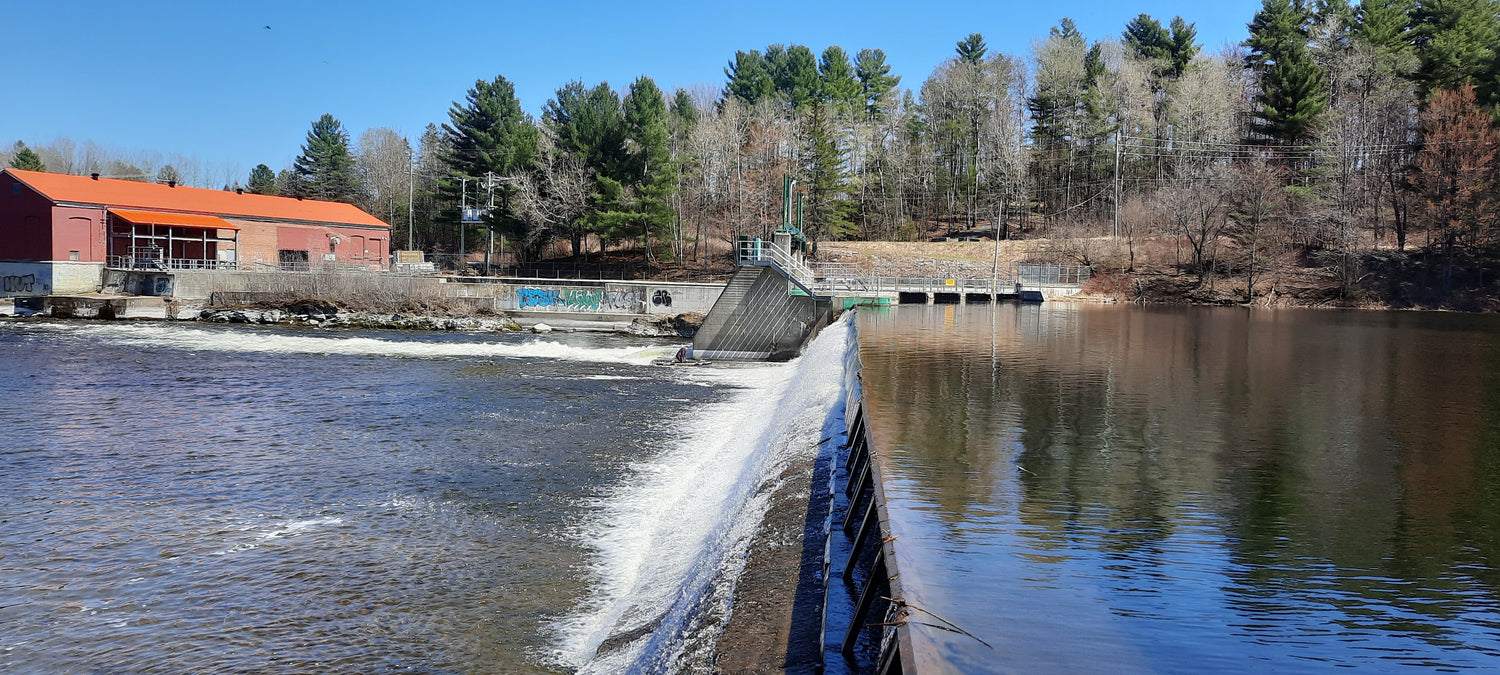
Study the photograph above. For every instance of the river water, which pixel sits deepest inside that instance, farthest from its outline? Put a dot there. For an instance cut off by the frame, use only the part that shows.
(183, 498)
(1080, 488)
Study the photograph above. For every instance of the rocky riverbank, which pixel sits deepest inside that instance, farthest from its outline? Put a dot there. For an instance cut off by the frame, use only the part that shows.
(322, 314)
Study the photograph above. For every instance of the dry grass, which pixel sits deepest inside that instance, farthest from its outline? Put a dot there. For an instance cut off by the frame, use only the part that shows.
(355, 290)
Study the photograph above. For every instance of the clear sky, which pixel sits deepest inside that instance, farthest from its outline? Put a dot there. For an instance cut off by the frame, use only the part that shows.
(211, 80)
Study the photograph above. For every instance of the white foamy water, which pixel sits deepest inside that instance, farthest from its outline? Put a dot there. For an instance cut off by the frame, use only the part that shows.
(681, 521)
(284, 529)
(271, 341)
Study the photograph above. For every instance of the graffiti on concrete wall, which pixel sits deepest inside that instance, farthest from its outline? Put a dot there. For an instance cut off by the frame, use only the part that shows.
(16, 283)
(580, 299)
(661, 298)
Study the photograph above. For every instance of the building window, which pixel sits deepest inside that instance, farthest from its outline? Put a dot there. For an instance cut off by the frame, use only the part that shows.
(73, 255)
(15, 188)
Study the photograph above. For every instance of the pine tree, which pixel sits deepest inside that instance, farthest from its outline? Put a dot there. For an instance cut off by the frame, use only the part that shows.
(828, 210)
(1457, 42)
(971, 49)
(875, 80)
(1146, 38)
(1183, 47)
(588, 123)
(749, 78)
(1294, 91)
(325, 169)
(168, 175)
(649, 160)
(838, 87)
(1172, 49)
(1383, 24)
(490, 134)
(795, 71)
(26, 159)
(262, 180)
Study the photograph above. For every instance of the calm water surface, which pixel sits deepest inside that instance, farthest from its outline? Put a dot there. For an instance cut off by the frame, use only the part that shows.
(192, 499)
(1099, 489)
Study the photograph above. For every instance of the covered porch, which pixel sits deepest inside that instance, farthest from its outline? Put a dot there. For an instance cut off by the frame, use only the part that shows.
(158, 240)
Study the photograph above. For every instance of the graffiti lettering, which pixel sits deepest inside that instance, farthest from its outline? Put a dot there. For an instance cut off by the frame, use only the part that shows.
(18, 284)
(628, 301)
(537, 297)
(661, 298)
(579, 299)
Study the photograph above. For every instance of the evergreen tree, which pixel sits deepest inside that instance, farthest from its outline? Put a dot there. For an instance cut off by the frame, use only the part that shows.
(1293, 87)
(489, 133)
(262, 180)
(1457, 42)
(1384, 24)
(1279, 27)
(795, 71)
(26, 159)
(168, 175)
(1172, 49)
(828, 209)
(589, 125)
(838, 87)
(971, 49)
(648, 161)
(875, 80)
(1183, 46)
(325, 169)
(749, 78)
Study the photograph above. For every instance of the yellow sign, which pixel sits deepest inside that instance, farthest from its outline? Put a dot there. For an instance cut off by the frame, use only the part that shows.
(408, 256)
(949, 282)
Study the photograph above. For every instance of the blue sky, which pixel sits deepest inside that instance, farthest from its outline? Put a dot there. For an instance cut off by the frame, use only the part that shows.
(208, 79)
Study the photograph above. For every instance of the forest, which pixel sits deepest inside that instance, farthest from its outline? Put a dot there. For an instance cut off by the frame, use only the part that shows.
(1351, 144)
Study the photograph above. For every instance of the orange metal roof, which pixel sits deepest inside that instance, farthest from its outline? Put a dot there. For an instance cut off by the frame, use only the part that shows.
(131, 194)
(182, 219)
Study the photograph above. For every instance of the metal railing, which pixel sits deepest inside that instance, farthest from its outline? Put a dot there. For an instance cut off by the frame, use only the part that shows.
(126, 262)
(841, 278)
(759, 251)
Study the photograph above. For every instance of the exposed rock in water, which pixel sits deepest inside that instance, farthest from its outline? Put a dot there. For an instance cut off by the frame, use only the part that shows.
(678, 325)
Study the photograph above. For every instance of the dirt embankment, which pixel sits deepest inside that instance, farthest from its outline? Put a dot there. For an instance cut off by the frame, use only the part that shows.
(1161, 270)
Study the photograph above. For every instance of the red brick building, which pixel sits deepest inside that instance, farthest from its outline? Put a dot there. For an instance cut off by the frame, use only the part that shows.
(58, 232)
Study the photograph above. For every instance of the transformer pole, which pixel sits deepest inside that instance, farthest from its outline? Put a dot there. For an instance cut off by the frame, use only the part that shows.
(1117, 184)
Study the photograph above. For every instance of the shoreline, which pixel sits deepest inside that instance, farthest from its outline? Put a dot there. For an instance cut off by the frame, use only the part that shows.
(321, 314)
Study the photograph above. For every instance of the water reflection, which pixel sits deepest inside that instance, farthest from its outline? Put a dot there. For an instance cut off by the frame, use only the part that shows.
(1173, 488)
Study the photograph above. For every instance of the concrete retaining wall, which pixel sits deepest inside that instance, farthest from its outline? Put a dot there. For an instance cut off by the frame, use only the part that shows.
(593, 297)
(36, 279)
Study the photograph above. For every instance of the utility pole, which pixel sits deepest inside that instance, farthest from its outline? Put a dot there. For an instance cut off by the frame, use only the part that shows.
(463, 205)
(1118, 138)
(411, 205)
(489, 230)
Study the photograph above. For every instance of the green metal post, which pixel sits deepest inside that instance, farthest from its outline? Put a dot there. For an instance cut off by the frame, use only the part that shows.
(786, 201)
(800, 231)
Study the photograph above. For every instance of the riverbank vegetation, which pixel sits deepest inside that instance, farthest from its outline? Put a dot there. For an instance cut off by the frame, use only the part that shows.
(1352, 148)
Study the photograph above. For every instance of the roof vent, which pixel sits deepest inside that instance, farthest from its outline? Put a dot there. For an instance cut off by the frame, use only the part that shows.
(171, 183)
(94, 175)
(239, 191)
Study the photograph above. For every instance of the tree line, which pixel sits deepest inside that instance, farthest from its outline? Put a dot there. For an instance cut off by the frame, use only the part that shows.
(1331, 131)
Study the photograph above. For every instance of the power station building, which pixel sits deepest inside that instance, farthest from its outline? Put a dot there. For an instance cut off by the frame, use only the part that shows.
(58, 233)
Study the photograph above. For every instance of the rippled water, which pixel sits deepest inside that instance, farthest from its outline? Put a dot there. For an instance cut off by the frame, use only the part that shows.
(1182, 490)
(194, 499)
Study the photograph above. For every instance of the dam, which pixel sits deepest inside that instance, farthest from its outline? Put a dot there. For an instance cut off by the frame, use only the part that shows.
(1079, 488)
(1007, 487)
